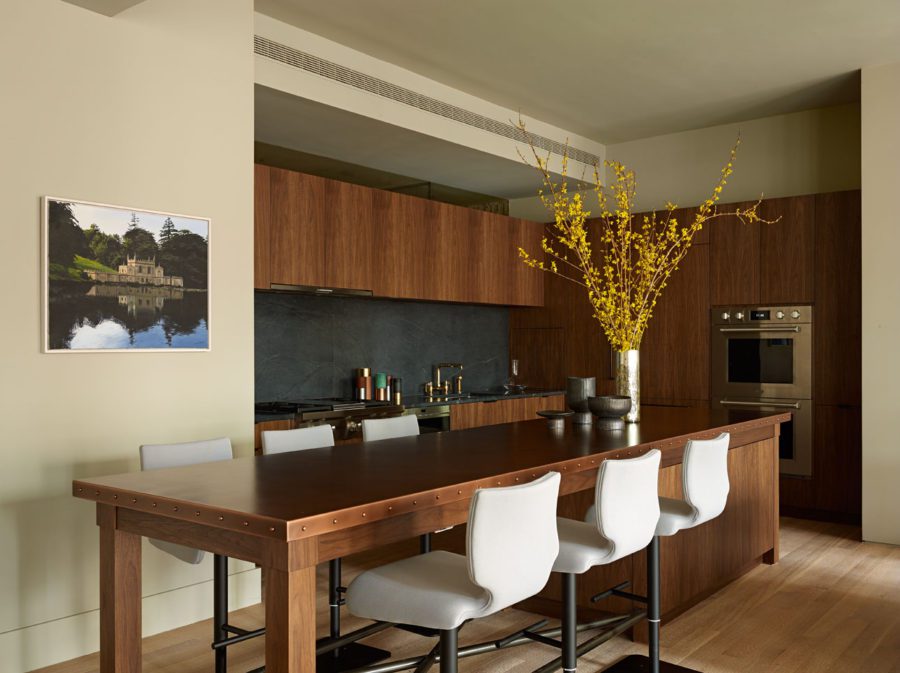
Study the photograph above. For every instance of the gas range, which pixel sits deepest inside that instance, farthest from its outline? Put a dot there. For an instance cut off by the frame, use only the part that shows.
(343, 415)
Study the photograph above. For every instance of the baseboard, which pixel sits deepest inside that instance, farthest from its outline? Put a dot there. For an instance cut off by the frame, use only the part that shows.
(830, 516)
(40, 645)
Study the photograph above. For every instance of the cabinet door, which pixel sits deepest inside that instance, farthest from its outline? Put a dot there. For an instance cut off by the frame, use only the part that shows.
(478, 414)
(838, 317)
(527, 284)
(835, 489)
(262, 227)
(675, 348)
(733, 260)
(786, 250)
(299, 210)
(351, 254)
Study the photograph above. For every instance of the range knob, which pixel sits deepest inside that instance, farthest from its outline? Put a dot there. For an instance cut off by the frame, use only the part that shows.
(779, 315)
(795, 314)
(739, 315)
(725, 315)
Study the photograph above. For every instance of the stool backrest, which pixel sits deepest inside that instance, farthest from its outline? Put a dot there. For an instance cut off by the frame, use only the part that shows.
(374, 429)
(156, 456)
(282, 441)
(512, 540)
(704, 476)
(627, 501)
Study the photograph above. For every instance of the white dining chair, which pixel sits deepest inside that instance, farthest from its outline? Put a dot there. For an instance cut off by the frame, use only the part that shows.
(159, 456)
(374, 429)
(511, 545)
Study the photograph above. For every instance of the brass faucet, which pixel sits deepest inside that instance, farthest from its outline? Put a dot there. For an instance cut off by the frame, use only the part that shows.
(437, 375)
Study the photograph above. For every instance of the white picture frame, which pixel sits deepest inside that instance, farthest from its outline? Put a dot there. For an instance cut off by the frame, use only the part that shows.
(117, 279)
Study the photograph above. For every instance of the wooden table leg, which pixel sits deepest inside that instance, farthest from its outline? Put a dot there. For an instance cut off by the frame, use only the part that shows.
(291, 620)
(120, 596)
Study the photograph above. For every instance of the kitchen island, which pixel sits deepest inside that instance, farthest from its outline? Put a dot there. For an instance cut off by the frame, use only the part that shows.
(290, 511)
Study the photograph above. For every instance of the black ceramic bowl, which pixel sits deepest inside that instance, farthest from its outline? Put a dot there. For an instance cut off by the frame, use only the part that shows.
(609, 406)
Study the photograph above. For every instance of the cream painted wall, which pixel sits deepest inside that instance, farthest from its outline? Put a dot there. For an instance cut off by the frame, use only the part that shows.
(154, 109)
(800, 153)
(881, 303)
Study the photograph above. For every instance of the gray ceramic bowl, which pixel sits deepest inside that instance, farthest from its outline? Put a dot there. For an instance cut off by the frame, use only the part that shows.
(609, 406)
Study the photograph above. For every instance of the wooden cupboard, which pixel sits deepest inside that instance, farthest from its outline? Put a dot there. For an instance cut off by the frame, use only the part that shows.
(318, 232)
(812, 255)
(477, 414)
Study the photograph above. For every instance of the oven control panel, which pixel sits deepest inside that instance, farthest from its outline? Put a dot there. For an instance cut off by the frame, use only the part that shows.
(761, 315)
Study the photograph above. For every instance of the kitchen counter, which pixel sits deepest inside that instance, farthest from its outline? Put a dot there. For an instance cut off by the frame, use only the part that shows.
(421, 401)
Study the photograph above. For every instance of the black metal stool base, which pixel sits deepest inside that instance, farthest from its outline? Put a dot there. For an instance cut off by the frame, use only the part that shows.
(639, 663)
(349, 657)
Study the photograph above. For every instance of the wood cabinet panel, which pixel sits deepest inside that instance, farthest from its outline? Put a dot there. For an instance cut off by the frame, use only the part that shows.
(298, 226)
(838, 272)
(541, 354)
(675, 349)
(477, 414)
(262, 227)
(697, 561)
(786, 250)
(734, 263)
(835, 489)
(314, 231)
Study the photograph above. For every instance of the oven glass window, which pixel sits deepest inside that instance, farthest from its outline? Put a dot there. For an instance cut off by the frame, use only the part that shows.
(755, 360)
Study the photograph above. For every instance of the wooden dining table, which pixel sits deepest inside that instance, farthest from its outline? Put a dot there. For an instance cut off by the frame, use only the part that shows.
(289, 512)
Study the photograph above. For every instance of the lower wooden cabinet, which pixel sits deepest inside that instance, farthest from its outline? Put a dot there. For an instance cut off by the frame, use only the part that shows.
(477, 414)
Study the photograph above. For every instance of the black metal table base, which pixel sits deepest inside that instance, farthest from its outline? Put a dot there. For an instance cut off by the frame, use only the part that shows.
(639, 663)
(349, 657)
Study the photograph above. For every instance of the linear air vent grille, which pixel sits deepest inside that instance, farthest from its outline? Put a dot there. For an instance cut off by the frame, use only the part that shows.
(313, 64)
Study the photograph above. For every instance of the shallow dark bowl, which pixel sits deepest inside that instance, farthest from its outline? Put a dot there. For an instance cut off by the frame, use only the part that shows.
(609, 406)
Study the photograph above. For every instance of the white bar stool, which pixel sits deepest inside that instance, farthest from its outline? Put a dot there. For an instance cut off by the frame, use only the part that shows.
(510, 548)
(157, 456)
(705, 487)
(352, 655)
(623, 522)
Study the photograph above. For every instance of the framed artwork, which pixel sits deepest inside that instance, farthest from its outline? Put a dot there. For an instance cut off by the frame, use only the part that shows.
(124, 279)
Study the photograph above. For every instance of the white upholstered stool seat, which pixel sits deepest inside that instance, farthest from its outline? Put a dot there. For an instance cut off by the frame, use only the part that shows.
(510, 548)
(431, 590)
(623, 523)
(581, 547)
(705, 486)
(375, 429)
(674, 515)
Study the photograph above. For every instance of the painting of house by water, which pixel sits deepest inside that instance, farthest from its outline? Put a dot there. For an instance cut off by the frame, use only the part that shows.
(124, 279)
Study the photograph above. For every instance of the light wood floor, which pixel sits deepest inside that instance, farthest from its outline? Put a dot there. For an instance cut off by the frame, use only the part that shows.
(832, 605)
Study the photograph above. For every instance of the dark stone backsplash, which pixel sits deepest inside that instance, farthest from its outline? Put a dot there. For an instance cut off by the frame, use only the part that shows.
(309, 346)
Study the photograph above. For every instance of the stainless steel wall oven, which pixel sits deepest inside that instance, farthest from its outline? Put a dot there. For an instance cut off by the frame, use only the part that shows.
(762, 359)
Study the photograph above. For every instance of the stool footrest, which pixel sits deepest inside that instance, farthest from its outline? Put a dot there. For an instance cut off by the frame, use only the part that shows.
(639, 663)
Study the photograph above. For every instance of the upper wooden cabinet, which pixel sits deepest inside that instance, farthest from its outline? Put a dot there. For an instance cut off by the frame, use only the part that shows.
(786, 250)
(314, 231)
(838, 273)
(734, 260)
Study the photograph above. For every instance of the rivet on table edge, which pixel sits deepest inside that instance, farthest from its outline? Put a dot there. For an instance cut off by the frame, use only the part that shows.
(334, 521)
(221, 518)
(303, 528)
(246, 523)
(115, 496)
(153, 504)
(133, 500)
(196, 513)
(272, 529)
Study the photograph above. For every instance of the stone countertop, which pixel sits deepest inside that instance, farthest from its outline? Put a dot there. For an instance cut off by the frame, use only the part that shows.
(421, 402)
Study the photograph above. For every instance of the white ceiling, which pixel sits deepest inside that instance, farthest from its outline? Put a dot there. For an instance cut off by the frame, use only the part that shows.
(615, 71)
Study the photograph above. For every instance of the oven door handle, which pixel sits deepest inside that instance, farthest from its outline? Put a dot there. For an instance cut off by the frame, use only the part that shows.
(777, 405)
(795, 328)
